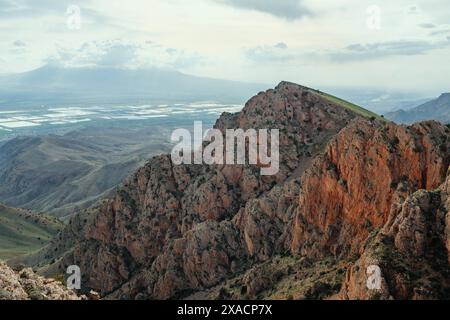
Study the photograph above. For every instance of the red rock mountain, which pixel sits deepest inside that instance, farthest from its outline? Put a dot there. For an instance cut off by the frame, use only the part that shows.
(351, 192)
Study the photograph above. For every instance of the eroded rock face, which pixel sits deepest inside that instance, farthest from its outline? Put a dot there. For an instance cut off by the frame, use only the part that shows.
(412, 252)
(350, 189)
(26, 285)
(172, 230)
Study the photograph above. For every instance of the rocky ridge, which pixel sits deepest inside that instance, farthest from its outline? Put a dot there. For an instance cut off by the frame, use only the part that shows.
(345, 184)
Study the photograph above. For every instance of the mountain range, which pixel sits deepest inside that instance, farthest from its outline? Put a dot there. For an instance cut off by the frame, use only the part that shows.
(436, 109)
(353, 192)
(53, 85)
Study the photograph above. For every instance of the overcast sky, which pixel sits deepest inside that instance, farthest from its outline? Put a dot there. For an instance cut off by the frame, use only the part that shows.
(399, 45)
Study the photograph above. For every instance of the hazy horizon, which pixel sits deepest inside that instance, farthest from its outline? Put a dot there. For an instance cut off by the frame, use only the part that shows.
(402, 46)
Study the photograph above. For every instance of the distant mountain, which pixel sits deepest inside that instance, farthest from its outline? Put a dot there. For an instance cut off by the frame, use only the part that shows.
(22, 231)
(437, 109)
(52, 85)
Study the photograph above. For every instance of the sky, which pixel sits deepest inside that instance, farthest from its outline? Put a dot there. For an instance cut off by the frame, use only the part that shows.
(395, 45)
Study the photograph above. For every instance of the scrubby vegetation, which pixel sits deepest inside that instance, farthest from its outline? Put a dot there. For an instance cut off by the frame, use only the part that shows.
(22, 231)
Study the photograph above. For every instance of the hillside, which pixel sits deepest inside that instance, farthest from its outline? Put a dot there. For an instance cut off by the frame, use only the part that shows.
(57, 174)
(348, 105)
(22, 231)
(437, 109)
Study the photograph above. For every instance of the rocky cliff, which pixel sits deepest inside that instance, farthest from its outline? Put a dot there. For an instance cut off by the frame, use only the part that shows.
(345, 183)
(412, 250)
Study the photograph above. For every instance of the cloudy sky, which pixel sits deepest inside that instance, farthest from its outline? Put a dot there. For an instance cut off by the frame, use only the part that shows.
(401, 45)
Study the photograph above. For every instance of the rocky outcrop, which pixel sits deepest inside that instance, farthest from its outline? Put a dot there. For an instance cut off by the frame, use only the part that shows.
(350, 189)
(26, 285)
(411, 251)
(177, 231)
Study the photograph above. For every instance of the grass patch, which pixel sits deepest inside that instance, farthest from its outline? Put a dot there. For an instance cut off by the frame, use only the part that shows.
(351, 106)
(23, 232)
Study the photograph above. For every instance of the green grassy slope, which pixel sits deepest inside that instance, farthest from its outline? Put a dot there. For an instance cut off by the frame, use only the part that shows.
(349, 105)
(23, 232)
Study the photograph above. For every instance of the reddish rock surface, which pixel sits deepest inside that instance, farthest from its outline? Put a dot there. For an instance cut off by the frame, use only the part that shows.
(411, 251)
(171, 231)
(350, 189)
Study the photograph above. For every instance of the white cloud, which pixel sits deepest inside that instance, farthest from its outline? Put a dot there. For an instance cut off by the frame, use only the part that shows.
(379, 50)
(427, 25)
(124, 54)
(286, 9)
(270, 53)
(19, 43)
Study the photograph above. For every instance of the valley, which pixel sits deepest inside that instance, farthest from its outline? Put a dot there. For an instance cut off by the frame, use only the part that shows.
(60, 120)
(59, 161)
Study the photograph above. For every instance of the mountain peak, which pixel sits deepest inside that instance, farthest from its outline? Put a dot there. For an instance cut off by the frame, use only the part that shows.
(293, 85)
(300, 90)
(306, 123)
